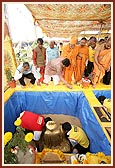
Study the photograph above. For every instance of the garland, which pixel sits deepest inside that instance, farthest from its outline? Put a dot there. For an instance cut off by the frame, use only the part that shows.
(56, 151)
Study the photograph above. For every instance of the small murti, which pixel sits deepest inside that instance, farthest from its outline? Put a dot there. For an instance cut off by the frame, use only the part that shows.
(54, 138)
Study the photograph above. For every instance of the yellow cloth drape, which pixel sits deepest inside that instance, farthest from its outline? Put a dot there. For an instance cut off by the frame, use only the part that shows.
(9, 58)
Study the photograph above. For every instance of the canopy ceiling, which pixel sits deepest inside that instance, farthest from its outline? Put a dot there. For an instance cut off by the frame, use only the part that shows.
(66, 20)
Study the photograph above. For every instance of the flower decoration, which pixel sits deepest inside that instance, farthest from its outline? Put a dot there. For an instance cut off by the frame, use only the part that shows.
(13, 143)
(75, 162)
(29, 137)
(7, 137)
(18, 122)
(56, 151)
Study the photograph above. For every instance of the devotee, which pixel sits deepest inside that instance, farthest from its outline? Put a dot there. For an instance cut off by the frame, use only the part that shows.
(92, 38)
(33, 122)
(54, 69)
(39, 59)
(107, 76)
(70, 51)
(106, 109)
(82, 56)
(51, 52)
(77, 137)
(23, 71)
(106, 38)
(101, 41)
(105, 102)
(102, 62)
(90, 63)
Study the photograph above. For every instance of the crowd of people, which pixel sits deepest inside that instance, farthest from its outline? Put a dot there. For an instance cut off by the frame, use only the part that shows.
(87, 60)
(73, 62)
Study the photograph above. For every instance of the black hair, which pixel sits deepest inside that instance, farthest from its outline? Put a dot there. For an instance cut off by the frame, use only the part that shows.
(40, 40)
(84, 39)
(93, 38)
(101, 40)
(106, 37)
(47, 119)
(86, 73)
(109, 38)
(26, 64)
(66, 62)
(66, 126)
(101, 99)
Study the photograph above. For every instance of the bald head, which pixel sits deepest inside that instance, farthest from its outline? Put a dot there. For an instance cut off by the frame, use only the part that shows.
(108, 43)
(51, 44)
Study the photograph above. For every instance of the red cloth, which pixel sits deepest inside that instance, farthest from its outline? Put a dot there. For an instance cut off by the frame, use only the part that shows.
(34, 57)
(32, 121)
(42, 70)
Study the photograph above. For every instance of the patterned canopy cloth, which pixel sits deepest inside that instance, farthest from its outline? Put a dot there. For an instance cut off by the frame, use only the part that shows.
(65, 20)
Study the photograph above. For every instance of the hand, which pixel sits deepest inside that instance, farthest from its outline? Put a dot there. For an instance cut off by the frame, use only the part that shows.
(23, 69)
(99, 66)
(69, 86)
(108, 69)
(79, 55)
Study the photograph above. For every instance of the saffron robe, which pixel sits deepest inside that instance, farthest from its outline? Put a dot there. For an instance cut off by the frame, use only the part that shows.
(71, 54)
(81, 62)
(104, 59)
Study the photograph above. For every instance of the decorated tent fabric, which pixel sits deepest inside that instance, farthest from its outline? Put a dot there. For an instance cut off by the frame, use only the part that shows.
(65, 20)
(9, 59)
(9, 56)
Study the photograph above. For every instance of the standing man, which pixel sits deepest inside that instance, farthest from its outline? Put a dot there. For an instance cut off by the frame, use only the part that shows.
(39, 59)
(81, 59)
(102, 61)
(70, 51)
(51, 52)
(90, 64)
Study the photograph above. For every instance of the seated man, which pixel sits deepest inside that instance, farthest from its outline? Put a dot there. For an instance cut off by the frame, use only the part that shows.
(54, 69)
(22, 71)
(77, 137)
